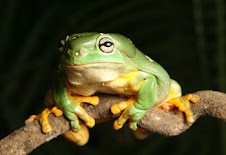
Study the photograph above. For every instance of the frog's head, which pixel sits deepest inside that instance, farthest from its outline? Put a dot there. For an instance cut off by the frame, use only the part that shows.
(96, 57)
(89, 48)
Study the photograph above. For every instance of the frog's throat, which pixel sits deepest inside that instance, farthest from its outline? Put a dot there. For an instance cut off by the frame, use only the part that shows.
(93, 72)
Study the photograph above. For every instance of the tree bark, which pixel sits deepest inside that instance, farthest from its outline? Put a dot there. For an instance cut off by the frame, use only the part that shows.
(29, 137)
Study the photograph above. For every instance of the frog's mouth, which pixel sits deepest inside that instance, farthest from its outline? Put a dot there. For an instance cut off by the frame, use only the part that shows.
(92, 65)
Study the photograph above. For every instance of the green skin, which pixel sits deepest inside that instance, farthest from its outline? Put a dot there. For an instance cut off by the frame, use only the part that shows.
(87, 69)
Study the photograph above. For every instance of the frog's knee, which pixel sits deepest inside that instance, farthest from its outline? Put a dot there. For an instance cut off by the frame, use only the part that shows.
(79, 138)
(141, 133)
(175, 91)
(175, 88)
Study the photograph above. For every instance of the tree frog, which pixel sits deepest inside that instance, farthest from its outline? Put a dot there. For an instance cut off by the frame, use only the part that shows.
(108, 63)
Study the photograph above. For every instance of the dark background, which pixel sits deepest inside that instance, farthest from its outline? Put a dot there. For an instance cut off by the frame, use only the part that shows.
(186, 37)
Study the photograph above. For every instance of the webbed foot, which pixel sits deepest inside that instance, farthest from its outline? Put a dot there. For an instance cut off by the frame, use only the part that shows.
(43, 118)
(183, 104)
(129, 112)
(73, 111)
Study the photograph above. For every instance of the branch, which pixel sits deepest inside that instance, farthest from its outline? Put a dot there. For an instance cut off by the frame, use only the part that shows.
(29, 137)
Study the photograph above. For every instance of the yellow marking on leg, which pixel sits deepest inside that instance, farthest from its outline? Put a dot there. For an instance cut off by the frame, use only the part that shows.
(77, 99)
(57, 111)
(175, 91)
(43, 118)
(93, 100)
(137, 87)
(89, 121)
(120, 107)
(118, 124)
(175, 100)
(32, 118)
(183, 104)
(127, 83)
(191, 97)
(117, 108)
(46, 128)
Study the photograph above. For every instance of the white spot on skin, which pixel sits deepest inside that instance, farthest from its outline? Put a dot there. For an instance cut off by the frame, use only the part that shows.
(76, 53)
(149, 58)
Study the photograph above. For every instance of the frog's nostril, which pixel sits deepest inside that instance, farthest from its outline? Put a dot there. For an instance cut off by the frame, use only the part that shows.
(79, 53)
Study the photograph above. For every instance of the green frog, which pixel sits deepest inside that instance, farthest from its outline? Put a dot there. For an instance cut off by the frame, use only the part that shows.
(108, 63)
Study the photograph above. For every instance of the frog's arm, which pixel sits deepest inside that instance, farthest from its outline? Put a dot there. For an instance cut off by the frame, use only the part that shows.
(71, 104)
(146, 86)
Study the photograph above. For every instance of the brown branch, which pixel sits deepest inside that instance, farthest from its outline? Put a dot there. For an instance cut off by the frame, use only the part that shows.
(29, 137)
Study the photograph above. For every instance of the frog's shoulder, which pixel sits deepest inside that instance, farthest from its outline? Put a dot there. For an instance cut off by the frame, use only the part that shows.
(144, 63)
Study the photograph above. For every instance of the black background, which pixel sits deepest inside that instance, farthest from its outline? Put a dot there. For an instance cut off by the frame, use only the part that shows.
(185, 37)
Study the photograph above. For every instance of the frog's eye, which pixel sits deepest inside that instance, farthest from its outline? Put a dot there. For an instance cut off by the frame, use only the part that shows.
(106, 45)
(61, 46)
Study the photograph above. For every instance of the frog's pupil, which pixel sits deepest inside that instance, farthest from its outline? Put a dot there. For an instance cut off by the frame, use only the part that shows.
(107, 44)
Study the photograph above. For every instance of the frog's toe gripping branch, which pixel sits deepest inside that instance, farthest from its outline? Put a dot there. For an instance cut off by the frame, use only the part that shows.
(117, 108)
(128, 113)
(43, 118)
(182, 103)
(73, 111)
(136, 107)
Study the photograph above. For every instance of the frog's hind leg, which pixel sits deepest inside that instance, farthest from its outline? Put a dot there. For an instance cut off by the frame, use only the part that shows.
(141, 133)
(79, 138)
(175, 91)
(175, 100)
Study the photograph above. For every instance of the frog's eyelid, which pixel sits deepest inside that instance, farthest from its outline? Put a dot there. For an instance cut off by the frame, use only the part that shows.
(105, 39)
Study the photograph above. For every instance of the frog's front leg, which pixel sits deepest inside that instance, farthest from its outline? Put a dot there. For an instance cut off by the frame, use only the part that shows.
(69, 102)
(81, 137)
(73, 111)
(136, 107)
